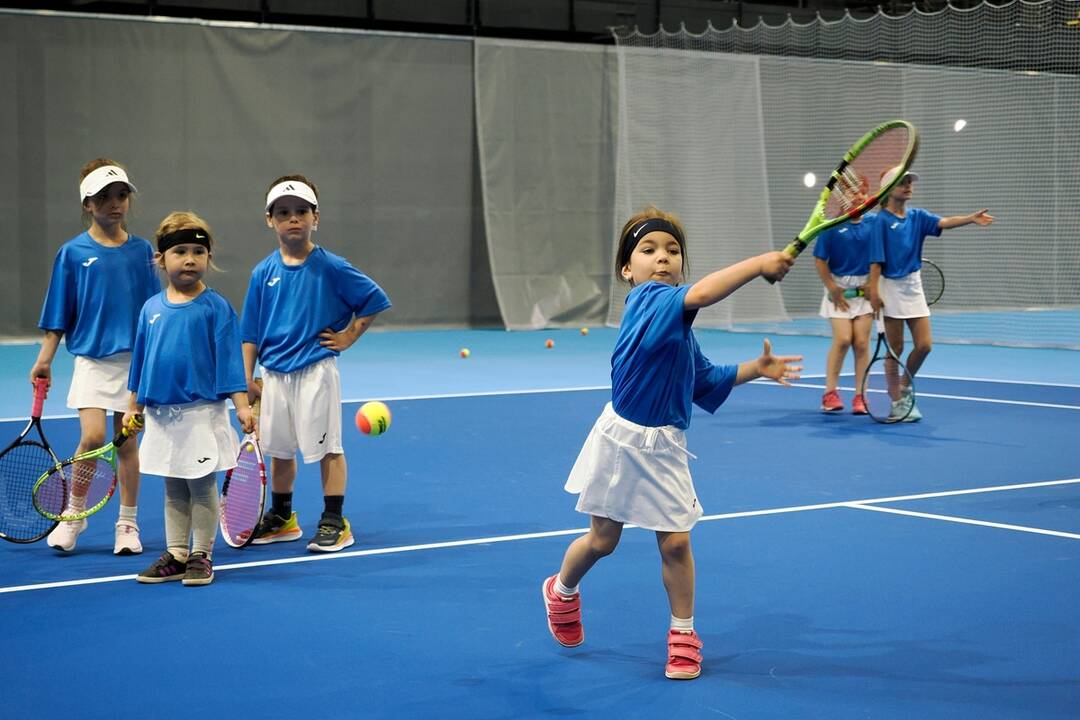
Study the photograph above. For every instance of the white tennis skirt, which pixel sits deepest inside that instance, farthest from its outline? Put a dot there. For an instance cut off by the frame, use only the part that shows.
(100, 383)
(635, 474)
(188, 441)
(904, 297)
(857, 306)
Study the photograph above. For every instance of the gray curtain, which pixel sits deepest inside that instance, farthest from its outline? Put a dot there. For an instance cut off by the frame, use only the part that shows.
(205, 116)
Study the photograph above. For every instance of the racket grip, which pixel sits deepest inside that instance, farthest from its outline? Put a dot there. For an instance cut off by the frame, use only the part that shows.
(41, 389)
(794, 249)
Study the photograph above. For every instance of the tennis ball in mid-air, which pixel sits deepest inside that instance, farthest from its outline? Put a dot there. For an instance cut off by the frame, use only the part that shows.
(373, 418)
(549, 344)
(584, 331)
(464, 352)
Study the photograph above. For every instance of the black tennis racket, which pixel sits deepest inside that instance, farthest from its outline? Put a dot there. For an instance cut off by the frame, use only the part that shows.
(887, 388)
(850, 191)
(21, 464)
(933, 282)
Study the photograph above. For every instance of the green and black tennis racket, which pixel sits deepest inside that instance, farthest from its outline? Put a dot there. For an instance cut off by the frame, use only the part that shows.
(887, 388)
(933, 283)
(21, 463)
(79, 487)
(861, 179)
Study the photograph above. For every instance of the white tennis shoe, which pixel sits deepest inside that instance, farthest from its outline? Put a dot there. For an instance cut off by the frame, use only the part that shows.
(127, 538)
(64, 536)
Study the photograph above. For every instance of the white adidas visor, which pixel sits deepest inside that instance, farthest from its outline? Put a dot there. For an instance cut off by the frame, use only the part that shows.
(100, 179)
(295, 188)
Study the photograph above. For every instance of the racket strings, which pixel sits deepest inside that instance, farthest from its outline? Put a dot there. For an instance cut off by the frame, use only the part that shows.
(242, 508)
(888, 392)
(75, 487)
(20, 467)
(862, 178)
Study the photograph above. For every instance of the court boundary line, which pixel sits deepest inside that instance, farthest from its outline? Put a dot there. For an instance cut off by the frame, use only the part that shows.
(964, 521)
(857, 504)
(942, 396)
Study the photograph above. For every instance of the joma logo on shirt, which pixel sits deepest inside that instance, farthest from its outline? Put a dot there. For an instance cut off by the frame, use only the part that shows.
(894, 225)
(152, 320)
(89, 262)
(843, 230)
(273, 282)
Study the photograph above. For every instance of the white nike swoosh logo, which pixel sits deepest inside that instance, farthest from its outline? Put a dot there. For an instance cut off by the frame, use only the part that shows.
(89, 262)
(273, 282)
(156, 316)
(894, 226)
(199, 237)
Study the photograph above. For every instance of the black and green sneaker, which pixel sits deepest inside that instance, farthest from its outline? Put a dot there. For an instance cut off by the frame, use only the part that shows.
(334, 534)
(274, 528)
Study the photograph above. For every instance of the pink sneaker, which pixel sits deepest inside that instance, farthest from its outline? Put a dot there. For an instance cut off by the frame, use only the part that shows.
(858, 405)
(684, 655)
(831, 402)
(564, 615)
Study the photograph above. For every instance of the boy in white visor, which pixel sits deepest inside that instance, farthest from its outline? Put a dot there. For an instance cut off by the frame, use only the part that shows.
(304, 306)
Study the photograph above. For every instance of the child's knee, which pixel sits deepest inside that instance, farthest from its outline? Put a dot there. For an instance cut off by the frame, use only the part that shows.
(676, 546)
(603, 545)
(924, 346)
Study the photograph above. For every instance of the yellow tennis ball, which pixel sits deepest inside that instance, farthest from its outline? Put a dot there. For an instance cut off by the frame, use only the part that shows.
(464, 352)
(584, 331)
(373, 418)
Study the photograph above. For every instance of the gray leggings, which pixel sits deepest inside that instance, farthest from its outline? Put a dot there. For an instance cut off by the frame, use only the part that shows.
(191, 511)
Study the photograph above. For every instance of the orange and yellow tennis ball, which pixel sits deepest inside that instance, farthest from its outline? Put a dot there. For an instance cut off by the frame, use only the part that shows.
(584, 331)
(464, 352)
(549, 343)
(373, 418)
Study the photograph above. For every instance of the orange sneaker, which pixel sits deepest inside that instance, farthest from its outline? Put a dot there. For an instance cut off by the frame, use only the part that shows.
(563, 615)
(858, 405)
(684, 655)
(831, 402)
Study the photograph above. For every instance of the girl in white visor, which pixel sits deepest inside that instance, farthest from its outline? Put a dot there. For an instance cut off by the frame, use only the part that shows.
(100, 280)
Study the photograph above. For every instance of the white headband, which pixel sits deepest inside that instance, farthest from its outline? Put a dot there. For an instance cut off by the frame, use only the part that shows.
(295, 188)
(101, 178)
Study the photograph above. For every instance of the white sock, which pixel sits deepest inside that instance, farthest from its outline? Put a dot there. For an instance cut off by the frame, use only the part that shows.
(128, 512)
(77, 503)
(685, 625)
(561, 589)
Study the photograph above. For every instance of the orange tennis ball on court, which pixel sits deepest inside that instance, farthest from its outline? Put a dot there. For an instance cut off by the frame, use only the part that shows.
(549, 344)
(373, 418)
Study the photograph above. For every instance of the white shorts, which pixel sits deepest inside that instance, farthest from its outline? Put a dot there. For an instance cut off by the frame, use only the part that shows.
(635, 474)
(904, 297)
(301, 411)
(188, 441)
(856, 305)
(100, 383)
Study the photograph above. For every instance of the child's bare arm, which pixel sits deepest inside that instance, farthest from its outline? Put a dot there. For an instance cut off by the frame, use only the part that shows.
(341, 341)
(717, 285)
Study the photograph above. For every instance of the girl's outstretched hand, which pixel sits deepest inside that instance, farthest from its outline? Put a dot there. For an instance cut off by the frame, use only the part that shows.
(781, 368)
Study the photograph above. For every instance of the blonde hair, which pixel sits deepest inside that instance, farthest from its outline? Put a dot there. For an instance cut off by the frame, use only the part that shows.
(628, 243)
(185, 220)
(87, 216)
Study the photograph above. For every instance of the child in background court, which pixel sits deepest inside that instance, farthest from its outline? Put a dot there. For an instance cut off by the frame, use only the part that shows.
(895, 285)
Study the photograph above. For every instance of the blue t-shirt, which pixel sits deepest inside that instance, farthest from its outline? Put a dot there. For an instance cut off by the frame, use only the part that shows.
(846, 247)
(186, 352)
(287, 306)
(897, 244)
(96, 292)
(657, 368)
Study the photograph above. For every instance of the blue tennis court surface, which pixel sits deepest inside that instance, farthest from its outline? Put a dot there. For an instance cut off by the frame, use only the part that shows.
(844, 569)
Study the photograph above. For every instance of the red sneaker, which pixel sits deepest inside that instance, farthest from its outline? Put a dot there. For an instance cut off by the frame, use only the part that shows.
(684, 655)
(858, 405)
(831, 402)
(564, 615)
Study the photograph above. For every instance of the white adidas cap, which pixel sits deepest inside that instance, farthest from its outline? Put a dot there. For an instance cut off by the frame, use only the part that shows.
(295, 188)
(889, 175)
(100, 179)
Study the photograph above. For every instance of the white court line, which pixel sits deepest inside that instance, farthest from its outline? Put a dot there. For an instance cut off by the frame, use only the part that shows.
(964, 521)
(964, 378)
(941, 396)
(548, 534)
